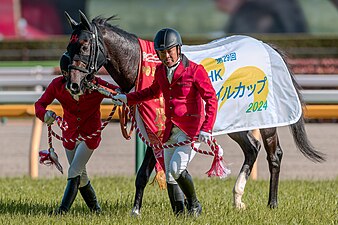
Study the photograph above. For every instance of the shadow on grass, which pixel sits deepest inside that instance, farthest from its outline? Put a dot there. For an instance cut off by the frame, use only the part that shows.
(23, 207)
(27, 207)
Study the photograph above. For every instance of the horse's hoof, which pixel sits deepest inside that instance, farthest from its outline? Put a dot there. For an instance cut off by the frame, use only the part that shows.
(135, 212)
(273, 205)
(240, 205)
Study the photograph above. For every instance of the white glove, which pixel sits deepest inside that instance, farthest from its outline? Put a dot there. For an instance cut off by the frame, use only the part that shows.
(119, 99)
(220, 151)
(204, 137)
(118, 90)
(49, 117)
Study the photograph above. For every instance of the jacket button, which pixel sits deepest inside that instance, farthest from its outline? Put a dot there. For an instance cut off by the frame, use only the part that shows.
(78, 127)
(170, 88)
(170, 107)
(78, 119)
(171, 97)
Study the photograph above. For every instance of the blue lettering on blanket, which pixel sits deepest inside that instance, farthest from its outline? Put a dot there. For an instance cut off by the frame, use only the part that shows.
(226, 58)
(214, 75)
(239, 90)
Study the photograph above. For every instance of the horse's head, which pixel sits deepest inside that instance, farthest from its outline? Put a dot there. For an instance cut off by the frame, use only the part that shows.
(86, 52)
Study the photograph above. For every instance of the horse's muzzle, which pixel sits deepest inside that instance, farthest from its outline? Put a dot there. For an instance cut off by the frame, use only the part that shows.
(74, 88)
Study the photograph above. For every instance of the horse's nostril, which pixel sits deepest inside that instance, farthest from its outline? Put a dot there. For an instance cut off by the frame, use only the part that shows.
(74, 87)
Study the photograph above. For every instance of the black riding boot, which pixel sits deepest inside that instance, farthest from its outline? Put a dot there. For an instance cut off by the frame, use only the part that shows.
(187, 185)
(176, 197)
(69, 195)
(89, 196)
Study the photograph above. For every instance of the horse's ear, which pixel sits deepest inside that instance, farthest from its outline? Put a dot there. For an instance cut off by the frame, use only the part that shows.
(72, 22)
(85, 21)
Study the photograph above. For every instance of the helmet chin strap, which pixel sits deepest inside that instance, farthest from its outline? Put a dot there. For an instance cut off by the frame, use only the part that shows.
(179, 56)
(177, 62)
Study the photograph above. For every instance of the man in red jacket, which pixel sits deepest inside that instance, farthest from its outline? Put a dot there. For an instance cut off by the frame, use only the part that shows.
(83, 117)
(184, 85)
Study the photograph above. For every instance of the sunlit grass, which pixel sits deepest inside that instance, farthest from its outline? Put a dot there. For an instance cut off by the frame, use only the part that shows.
(25, 201)
(28, 63)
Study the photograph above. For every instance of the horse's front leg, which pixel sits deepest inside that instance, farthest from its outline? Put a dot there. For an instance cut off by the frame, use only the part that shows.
(274, 157)
(250, 145)
(142, 179)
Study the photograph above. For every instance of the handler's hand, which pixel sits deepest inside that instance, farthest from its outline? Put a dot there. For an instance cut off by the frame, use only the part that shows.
(220, 151)
(119, 99)
(204, 137)
(49, 117)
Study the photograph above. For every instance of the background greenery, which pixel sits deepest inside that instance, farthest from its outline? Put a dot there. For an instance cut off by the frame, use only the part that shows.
(25, 201)
(196, 17)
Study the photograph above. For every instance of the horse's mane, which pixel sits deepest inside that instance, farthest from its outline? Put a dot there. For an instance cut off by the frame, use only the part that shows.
(104, 23)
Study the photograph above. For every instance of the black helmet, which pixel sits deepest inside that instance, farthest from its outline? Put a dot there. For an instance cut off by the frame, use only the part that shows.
(64, 63)
(166, 39)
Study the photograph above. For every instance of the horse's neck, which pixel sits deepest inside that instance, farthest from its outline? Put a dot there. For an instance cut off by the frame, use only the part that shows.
(123, 58)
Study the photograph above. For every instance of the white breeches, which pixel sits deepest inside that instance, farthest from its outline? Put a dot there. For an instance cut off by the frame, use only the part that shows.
(77, 159)
(176, 159)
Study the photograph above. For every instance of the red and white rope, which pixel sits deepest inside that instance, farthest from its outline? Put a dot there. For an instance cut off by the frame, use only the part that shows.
(211, 143)
(217, 168)
(64, 126)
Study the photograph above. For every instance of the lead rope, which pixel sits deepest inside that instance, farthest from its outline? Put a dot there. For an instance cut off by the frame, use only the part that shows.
(49, 157)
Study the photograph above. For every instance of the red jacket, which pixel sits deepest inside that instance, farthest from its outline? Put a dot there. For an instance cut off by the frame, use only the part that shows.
(183, 98)
(83, 116)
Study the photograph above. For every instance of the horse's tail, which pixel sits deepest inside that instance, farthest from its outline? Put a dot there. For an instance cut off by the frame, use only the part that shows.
(302, 142)
(299, 133)
(298, 129)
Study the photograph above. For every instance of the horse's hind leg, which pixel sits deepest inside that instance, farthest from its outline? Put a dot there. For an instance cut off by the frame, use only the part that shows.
(250, 146)
(274, 157)
(142, 179)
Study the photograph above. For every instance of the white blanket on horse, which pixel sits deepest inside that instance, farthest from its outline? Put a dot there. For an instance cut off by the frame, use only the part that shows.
(253, 85)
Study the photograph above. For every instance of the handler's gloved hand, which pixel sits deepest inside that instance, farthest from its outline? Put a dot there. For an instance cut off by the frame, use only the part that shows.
(220, 151)
(119, 99)
(118, 90)
(49, 117)
(204, 137)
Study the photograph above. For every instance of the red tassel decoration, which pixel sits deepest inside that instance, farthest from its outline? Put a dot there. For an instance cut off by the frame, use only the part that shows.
(49, 157)
(217, 167)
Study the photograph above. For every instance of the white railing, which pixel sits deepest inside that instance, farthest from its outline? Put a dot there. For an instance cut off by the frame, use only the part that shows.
(32, 81)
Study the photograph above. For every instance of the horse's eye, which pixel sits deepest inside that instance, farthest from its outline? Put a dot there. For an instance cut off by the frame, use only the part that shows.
(84, 50)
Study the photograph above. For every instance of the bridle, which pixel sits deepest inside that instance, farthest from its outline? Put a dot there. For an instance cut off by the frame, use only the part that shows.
(96, 59)
(97, 56)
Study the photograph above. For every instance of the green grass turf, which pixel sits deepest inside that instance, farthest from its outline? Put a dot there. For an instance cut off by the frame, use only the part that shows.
(28, 63)
(25, 201)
